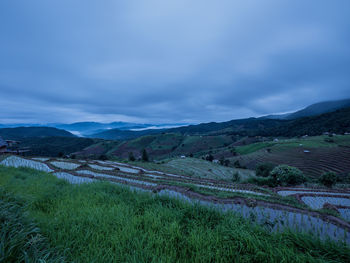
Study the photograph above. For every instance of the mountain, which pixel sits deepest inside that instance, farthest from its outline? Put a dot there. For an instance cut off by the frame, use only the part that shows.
(312, 110)
(117, 134)
(320, 108)
(19, 133)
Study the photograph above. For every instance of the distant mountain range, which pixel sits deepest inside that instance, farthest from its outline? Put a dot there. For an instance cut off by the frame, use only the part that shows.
(85, 129)
(126, 130)
(19, 133)
(251, 126)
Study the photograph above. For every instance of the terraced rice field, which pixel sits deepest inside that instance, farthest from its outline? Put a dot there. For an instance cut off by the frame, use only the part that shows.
(320, 198)
(314, 163)
(258, 204)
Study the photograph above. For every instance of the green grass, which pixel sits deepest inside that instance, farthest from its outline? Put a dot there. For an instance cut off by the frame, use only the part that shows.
(101, 222)
(250, 148)
(285, 144)
(197, 168)
(20, 238)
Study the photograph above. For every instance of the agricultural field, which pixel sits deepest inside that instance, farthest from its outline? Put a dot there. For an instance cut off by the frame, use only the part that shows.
(278, 209)
(47, 219)
(312, 155)
(198, 168)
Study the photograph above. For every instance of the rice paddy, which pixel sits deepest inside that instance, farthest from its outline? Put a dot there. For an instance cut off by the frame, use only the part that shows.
(248, 202)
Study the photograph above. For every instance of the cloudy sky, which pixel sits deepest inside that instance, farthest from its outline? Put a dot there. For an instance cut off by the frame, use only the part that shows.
(169, 61)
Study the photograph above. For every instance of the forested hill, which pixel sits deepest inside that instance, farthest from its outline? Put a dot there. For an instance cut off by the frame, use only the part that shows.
(336, 122)
(29, 132)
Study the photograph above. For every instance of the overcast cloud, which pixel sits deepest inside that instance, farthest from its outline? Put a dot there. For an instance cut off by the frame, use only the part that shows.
(169, 61)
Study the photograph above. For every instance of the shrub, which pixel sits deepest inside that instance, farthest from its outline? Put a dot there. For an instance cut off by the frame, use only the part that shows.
(264, 169)
(236, 178)
(263, 181)
(209, 158)
(103, 157)
(287, 175)
(226, 162)
(131, 157)
(237, 164)
(144, 155)
(328, 179)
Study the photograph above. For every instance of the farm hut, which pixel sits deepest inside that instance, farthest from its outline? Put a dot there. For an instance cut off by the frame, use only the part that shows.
(182, 156)
(3, 146)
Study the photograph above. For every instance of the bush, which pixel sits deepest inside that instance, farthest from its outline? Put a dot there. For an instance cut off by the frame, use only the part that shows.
(103, 157)
(328, 179)
(209, 158)
(263, 181)
(236, 178)
(237, 164)
(144, 155)
(264, 169)
(287, 175)
(131, 157)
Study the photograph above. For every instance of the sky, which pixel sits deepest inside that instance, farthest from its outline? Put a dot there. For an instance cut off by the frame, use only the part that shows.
(174, 61)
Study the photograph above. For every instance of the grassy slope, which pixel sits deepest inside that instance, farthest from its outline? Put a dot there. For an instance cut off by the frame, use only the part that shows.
(324, 156)
(196, 168)
(21, 240)
(102, 222)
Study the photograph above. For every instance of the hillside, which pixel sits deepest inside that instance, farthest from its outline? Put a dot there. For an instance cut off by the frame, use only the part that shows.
(118, 134)
(29, 132)
(337, 122)
(320, 108)
(54, 146)
(313, 110)
(64, 222)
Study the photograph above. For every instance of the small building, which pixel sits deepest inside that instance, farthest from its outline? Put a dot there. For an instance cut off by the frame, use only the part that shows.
(215, 161)
(306, 151)
(182, 156)
(305, 136)
(275, 140)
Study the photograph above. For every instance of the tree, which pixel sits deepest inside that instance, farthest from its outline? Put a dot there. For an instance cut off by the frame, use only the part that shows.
(131, 157)
(287, 175)
(144, 155)
(209, 157)
(237, 164)
(264, 169)
(103, 157)
(328, 179)
(227, 162)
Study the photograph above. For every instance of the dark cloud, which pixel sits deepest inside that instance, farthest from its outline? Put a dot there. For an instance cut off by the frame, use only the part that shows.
(169, 61)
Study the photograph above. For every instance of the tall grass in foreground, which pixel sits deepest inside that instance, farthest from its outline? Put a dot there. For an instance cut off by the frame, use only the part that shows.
(20, 238)
(101, 222)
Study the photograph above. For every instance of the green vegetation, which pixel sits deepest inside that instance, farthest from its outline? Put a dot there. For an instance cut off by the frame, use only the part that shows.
(144, 155)
(286, 175)
(131, 157)
(20, 238)
(30, 132)
(197, 168)
(328, 179)
(264, 169)
(250, 148)
(52, 146)
(102, 222)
